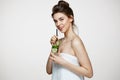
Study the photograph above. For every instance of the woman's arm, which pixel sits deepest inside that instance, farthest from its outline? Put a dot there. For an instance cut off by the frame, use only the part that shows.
(49, 65)
(85, 68)
(49, 61)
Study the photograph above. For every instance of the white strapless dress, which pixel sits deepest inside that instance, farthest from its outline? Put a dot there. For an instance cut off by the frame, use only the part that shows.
(61, 73)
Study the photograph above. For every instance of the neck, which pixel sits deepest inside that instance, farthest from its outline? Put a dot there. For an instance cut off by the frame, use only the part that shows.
(69, 34)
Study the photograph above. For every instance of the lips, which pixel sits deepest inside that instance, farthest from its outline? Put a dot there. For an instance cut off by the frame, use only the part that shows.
(60, 28)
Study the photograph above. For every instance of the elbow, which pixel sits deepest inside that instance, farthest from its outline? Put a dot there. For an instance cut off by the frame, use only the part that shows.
(89, 74)
(49, 72)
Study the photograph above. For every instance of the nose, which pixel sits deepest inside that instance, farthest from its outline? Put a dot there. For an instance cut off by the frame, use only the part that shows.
(58, 23)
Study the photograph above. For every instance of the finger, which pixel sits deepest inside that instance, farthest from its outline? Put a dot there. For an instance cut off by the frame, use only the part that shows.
(52, 58)
(52, 42)
(53, 55)
(55, 37)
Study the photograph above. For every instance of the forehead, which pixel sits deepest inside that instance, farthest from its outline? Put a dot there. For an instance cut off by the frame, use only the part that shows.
(58, 15)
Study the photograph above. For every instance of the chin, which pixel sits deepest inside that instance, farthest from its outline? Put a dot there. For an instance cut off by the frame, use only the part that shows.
(62, 31)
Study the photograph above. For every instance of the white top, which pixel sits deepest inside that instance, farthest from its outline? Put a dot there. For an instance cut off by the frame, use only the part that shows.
(61, 73)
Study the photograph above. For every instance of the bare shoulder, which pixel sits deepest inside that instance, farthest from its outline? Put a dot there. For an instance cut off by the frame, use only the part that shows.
(78, 46)
(77, 41)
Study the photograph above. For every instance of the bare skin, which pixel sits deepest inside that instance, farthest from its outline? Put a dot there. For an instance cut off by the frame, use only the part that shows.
(71, 44)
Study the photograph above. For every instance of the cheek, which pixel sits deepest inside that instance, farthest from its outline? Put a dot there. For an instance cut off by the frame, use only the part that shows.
(67, 23)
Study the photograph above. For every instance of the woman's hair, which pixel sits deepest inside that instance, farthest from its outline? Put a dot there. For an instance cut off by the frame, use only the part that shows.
(64, 8)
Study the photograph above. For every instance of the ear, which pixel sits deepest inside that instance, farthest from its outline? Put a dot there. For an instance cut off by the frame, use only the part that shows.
(71, 18)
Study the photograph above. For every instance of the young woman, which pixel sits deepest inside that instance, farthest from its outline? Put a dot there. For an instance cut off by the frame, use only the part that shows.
(71, 62)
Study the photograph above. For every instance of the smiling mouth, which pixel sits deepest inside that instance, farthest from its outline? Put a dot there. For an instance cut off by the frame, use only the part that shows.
(60, 28)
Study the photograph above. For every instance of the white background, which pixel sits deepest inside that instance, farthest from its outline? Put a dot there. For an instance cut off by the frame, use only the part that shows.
(26, 27)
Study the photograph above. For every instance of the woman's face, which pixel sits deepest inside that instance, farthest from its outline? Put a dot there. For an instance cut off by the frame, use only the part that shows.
(62, 21)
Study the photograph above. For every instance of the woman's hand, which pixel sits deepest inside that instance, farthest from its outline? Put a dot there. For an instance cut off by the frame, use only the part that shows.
(53, 39)
(57, 59)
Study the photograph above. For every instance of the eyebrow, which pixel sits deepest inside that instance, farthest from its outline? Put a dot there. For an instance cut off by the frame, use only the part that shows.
(58, 18)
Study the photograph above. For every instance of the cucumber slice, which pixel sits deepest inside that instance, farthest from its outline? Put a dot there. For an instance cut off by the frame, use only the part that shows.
(55, 47)
(54, 50)
(58, 43)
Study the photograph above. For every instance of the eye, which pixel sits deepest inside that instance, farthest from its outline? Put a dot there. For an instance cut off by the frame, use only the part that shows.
(61, 19)
(55, 21)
